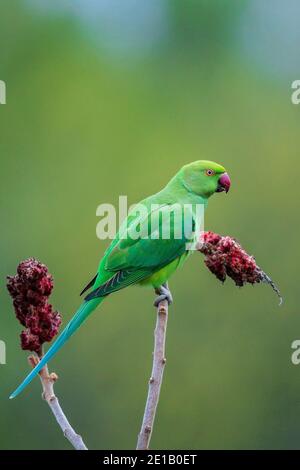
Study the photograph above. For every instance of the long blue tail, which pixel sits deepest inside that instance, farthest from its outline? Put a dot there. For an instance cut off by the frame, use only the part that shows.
(80, 316)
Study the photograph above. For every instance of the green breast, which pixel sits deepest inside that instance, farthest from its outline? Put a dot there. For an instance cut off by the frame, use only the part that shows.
(162, 275)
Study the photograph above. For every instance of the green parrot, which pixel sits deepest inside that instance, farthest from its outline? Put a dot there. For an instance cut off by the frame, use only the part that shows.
(133, 258)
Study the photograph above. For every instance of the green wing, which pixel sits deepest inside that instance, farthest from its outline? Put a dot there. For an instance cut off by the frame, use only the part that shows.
(150, 250)
(140, 250)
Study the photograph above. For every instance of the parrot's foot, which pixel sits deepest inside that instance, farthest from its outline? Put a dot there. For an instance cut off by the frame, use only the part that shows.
(163, 294)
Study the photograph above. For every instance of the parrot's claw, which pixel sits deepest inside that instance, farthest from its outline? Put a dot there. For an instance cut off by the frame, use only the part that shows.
(163, 294)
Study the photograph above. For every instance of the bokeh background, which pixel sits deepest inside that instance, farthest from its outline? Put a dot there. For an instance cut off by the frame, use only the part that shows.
(112, 97)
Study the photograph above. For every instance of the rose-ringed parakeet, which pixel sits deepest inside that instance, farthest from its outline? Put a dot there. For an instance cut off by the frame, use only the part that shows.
(133, 258)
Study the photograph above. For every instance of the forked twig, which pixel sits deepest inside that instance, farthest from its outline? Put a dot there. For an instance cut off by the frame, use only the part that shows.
(155, 381)
(49, 396)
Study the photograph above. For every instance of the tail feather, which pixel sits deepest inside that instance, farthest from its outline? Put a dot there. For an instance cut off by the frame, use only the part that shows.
(80, 316)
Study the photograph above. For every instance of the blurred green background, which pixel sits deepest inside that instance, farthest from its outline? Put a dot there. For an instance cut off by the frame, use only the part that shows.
(109, 98)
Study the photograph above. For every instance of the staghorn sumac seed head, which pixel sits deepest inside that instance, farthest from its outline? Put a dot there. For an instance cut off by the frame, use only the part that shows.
(29, 341)
(224, 257)
(30, 289)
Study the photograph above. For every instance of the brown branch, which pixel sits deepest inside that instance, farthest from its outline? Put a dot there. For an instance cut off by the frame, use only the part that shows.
(155, 381)
(49, 396)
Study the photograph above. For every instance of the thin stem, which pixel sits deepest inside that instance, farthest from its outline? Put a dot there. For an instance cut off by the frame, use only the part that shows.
(49, 396)
(155, 381)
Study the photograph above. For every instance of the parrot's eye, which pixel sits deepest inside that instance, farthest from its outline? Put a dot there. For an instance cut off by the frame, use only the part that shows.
(209, 172)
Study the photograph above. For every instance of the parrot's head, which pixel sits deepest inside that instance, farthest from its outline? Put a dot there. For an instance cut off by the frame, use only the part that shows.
(205, 178)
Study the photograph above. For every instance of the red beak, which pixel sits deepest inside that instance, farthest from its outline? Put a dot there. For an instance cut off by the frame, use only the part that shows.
(224, 183)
